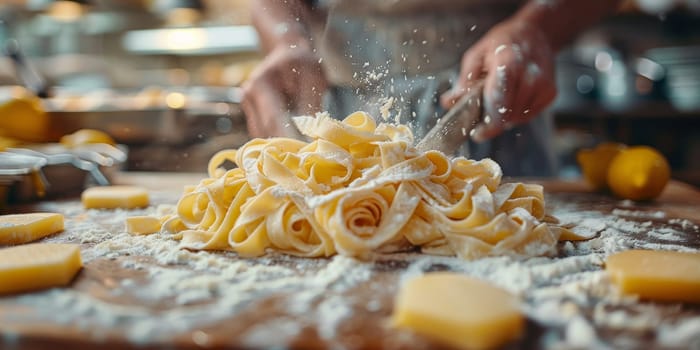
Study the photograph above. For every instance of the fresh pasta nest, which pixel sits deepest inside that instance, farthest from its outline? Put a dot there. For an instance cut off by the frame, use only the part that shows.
(359, 188)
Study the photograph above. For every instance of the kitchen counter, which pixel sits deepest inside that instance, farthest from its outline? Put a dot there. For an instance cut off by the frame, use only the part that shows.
(144, 292)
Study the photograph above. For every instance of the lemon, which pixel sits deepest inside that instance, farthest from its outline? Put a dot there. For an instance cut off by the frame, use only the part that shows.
(638, 173)
(594, 163)
(85, 136)
(22, 117)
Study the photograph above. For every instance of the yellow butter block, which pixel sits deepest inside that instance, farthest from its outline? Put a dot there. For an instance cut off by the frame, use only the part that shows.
(23, 228)
(459, 311)
(37, 266)
(112, 197)
(143, 225)
(657, 275)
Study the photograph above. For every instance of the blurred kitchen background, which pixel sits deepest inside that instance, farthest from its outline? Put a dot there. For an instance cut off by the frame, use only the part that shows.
(162, 77)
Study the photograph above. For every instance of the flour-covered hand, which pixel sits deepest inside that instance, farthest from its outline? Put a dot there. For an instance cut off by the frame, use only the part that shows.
(288, 81)
(517, 63)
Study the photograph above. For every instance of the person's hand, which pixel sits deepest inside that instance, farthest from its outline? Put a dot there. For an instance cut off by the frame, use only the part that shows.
(288, 81)
(517, 63)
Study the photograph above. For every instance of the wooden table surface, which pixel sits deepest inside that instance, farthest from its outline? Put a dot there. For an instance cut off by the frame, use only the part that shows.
(136, 292)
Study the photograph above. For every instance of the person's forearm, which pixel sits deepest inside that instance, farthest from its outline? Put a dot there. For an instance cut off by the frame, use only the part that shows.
(282, 22)
(562, 20)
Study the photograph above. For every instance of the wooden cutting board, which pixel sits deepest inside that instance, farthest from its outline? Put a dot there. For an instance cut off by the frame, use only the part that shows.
(144, 292)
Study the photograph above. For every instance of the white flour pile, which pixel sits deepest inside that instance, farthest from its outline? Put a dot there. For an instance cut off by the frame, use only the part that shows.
(571, 295)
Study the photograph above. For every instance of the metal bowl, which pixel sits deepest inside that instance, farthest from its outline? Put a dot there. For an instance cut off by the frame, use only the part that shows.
(20, 177)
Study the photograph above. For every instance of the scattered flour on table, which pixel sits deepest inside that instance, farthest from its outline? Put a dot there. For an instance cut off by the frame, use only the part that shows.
(336, 310)
(213, 286)
(639, 214)
(682, 333)
(207, 286)
(259, 335)
(557, 290)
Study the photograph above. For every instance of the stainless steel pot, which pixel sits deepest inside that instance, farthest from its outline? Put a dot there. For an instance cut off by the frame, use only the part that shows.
(175, 119)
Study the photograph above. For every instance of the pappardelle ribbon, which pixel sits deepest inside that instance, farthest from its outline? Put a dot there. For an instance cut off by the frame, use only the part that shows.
(359, 188)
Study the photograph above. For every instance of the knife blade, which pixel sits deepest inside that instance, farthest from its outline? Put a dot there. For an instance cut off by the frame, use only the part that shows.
(290, 128)
(452, 130)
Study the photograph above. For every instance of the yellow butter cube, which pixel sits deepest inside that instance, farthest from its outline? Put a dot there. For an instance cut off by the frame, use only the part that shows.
(24, 228)
(657, 275)
(459, 311)
(37, 266)
(112, 197)
(143, 225)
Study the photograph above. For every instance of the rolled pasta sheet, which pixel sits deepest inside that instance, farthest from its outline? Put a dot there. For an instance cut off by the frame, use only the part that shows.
(267, 163)
(214, 168)
(474, 208)
(397, 133)
(325, 166)
(363, 220)
(484, 172)
(358, 127)
(391, 153)
(442, 166)
(359, 188)
(518, 195)
(294, 231)
(420, 230)
(504, 235)
(455, 203)
(217, 233)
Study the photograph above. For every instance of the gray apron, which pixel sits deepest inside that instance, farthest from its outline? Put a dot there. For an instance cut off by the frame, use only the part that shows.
(411, 50)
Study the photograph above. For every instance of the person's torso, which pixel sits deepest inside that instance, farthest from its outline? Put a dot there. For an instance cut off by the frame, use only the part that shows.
(401, 7)
(410, 50)
(363, 39)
